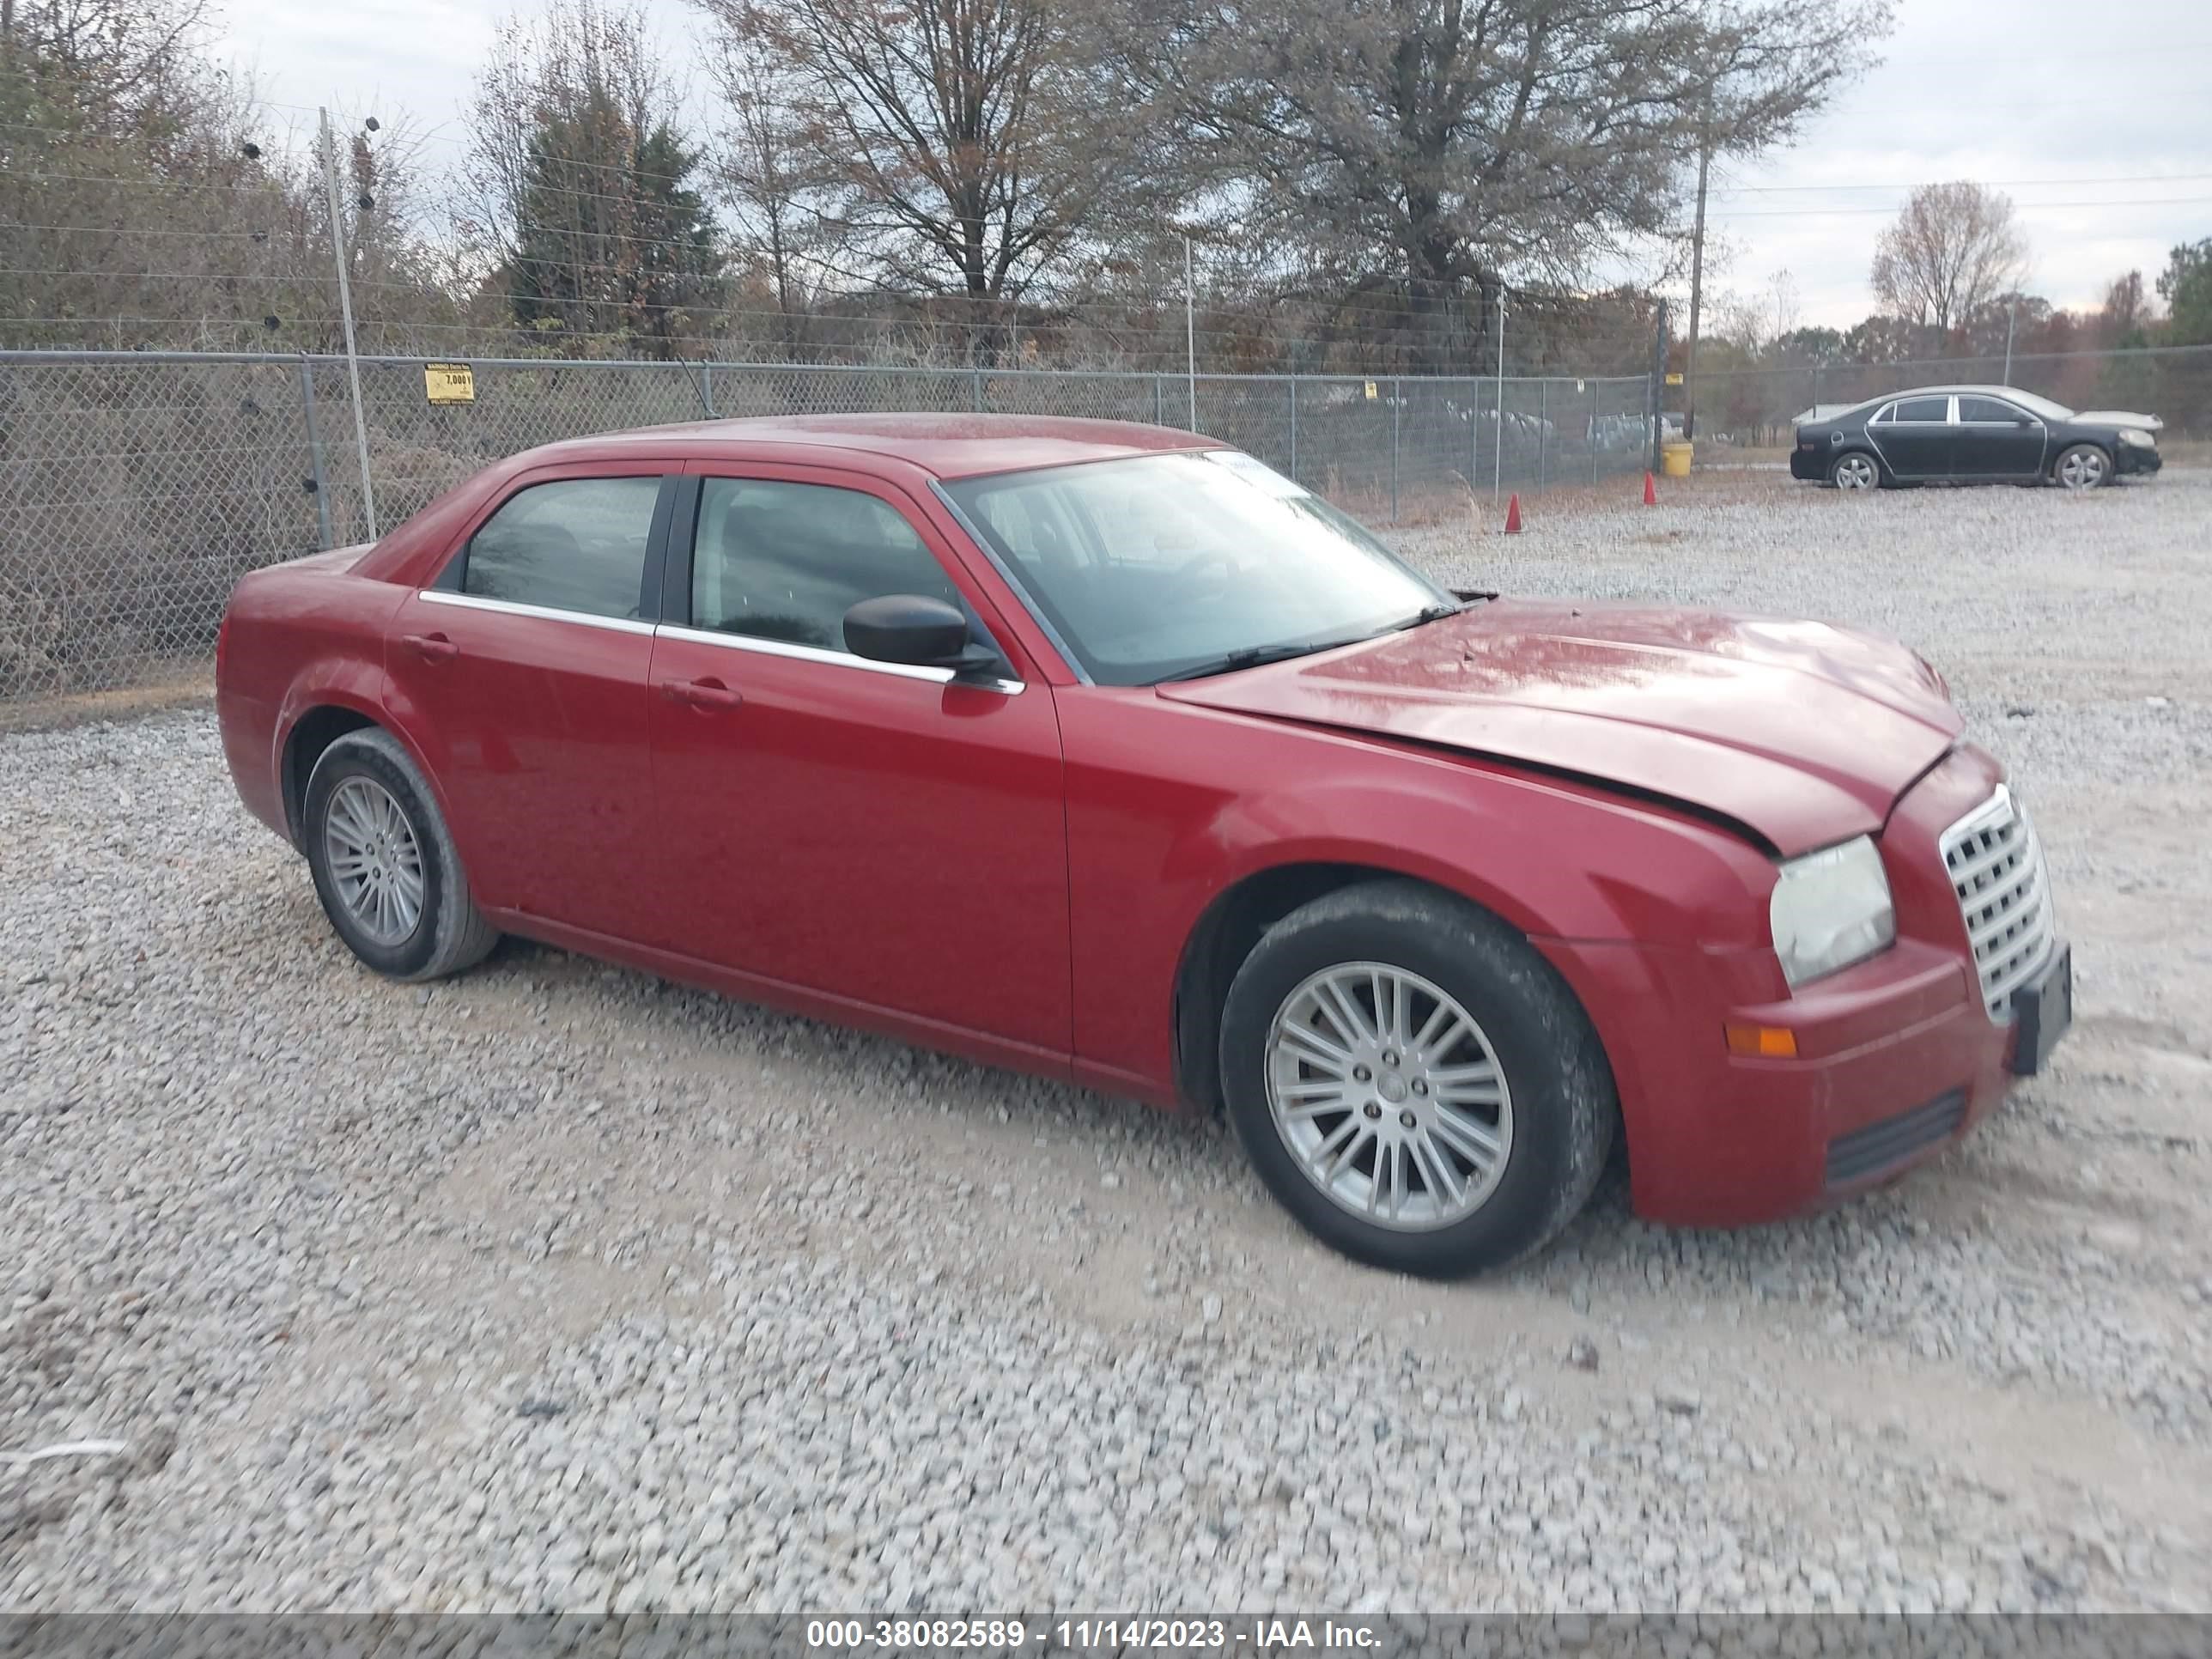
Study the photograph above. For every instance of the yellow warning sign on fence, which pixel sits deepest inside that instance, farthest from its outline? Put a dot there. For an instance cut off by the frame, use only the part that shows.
(449, 383)
(1370, 391)
(1674, 380)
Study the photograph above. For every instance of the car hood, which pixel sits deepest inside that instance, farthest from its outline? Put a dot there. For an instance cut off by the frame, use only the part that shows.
(2119, 417)
(1804, 734)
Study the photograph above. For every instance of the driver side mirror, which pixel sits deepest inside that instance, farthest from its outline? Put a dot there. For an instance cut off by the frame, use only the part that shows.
(917, 631)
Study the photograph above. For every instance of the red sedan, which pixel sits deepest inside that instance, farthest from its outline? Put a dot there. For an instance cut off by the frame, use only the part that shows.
(1105, 752)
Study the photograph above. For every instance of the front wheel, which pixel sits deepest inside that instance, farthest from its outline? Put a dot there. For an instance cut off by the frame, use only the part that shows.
(1413, 1083)
(2084, 466)
(385, 869)
(1856, 470)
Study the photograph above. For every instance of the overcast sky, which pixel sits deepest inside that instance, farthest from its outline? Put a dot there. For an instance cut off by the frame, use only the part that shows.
(2101, 132)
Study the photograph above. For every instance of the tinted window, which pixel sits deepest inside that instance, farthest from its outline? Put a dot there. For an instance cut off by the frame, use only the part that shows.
(1883, 415)
(1987, 409)
(577, 544)
(787, 561)
(1924, 408)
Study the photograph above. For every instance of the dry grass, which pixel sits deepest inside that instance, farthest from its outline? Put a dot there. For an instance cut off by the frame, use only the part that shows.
(163, 686)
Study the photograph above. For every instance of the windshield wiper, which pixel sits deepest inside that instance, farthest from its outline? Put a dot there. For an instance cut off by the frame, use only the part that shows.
(1427, 614)
(1252, 656)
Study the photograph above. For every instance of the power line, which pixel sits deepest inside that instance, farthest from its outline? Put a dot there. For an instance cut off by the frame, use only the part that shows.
(2020, 207)
(1986, 184)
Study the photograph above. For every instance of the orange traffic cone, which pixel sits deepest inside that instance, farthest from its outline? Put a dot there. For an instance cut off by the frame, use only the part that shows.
(1513, 515)
(1650, 491)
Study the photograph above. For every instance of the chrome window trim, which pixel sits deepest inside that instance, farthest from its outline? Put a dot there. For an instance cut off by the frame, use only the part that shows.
(982, 545)
(545, 612)
(795, 652)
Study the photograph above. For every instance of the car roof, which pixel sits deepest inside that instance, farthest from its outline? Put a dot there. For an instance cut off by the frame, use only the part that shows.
(948, 446)
(1944, 392)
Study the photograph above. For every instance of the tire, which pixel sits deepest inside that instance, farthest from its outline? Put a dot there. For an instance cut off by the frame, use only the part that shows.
(1550, 1128)
(368, 809)
(1855, 469)
(2082, 467)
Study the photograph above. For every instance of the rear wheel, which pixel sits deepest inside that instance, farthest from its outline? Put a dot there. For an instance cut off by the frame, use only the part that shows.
(1855, 470)
(384, 867)
(2084, 466)
(1414, 1082)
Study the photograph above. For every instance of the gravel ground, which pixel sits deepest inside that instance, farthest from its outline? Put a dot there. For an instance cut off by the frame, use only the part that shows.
(555, 1287)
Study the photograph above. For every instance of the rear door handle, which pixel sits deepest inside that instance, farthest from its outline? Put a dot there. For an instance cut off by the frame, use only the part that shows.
(431, 647)
(703, 694)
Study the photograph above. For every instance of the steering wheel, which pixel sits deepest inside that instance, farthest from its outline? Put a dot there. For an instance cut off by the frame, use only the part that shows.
(1201, 578)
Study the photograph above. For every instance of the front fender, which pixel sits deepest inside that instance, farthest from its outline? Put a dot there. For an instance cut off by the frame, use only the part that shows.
(1549, 859)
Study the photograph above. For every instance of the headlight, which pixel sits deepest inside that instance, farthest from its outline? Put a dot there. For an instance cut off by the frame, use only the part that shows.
(1832, 908)
(2138, 437)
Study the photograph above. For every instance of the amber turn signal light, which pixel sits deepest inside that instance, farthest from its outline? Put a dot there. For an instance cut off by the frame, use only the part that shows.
(1765, 1042)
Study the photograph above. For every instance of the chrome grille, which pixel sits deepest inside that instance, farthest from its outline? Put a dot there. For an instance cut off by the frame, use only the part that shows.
(1996, 869)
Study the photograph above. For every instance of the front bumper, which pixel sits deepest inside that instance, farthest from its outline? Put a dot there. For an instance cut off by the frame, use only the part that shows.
(2129, 460)
(1897, 1057)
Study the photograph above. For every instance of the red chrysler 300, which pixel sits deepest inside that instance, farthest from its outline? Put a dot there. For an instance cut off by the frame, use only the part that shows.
(1105, 752)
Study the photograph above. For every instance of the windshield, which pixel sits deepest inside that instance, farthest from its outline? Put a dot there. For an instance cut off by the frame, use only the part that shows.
(1163, 566)
(2042, 406)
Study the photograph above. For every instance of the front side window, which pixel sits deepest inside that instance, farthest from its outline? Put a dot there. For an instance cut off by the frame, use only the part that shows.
(1926, 411)
(1161, 565)
(1987, 411)
(787, 561)
(574, 544)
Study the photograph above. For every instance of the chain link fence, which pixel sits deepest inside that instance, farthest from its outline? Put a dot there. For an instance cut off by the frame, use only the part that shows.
(135, 488)
(1755, 407)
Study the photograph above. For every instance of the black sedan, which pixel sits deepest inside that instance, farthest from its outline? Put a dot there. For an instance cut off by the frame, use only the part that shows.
(1971, 435)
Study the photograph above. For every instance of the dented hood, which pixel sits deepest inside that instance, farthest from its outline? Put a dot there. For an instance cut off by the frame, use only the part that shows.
(1805, 733)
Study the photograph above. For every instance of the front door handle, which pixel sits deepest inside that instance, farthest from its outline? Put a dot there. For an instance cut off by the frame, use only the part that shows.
(431, 647)
(703, 694)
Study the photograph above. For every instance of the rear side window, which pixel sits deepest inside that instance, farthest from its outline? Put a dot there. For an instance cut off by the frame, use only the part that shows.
(1935, 410)
(787, 561)
(574, 544)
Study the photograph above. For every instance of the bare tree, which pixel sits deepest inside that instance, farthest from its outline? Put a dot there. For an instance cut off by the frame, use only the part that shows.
(967, 145)
(2125, 318)
(781, 198)
(1953, 246)
(1428, 147)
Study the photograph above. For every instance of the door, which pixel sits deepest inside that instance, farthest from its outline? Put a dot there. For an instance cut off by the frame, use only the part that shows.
(522, 675)
(876, 832)
(1996, 440)
(1915, 438)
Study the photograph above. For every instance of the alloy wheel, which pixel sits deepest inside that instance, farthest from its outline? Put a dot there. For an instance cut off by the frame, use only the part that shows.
(376, 861)
(2082, 469)
(1857, 472)
(1390, 1097)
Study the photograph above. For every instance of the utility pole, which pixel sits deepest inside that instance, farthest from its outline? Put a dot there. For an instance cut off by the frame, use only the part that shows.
(346, 308)
(1697, 271)
(2012, 321)
(1497, 450)
(1190, 328)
